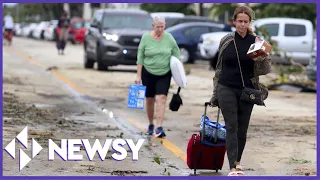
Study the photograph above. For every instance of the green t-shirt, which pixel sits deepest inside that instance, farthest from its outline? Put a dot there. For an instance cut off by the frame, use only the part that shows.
(155, 55)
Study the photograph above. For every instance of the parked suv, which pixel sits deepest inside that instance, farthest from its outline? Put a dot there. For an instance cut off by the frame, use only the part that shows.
(114, 36)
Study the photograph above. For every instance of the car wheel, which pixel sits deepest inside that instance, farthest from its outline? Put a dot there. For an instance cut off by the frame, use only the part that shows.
(42, 35)
(88, 63)
(73, 41)
(184, 55)
(101, 65)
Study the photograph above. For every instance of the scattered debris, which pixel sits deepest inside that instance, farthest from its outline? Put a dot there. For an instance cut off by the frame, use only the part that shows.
(127, 172)
(12, 80)
(52, 68)
(298, 161)
(157, 159)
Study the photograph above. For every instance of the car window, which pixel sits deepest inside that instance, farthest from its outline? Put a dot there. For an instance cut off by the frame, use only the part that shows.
(196, 31)
(86, 24)
(188, 20)
(194, 20)
(294, 30)
(171, 22)
(97, 18)
(173, 28)
(78, 24)
(120, 21)
(272, 29)
(215, 29)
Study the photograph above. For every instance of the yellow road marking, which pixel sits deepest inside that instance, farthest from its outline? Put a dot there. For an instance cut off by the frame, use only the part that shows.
(166, 143)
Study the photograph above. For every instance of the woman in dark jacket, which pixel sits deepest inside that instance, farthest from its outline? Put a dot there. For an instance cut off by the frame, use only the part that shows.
(229, 80)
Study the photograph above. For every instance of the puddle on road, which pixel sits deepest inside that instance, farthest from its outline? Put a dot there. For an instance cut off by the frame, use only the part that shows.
(41, 106)
(53, 96)
(293, 87)
(103, 100)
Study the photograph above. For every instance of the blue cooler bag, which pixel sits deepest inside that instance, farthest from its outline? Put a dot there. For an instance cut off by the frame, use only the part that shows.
(211, 128)
(136, 96)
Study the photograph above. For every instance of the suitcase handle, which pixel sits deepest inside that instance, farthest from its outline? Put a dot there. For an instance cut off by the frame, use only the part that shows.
(204, 124)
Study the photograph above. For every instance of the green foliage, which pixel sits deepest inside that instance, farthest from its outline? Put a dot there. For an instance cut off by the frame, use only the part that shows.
(26, 12)
(220, 9)
(185, 8)
(304, 11)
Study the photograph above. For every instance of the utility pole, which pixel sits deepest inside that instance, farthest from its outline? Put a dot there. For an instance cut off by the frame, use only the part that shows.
(17, 11)
(86, 14)
(66, 8)
(201, 9)
(226, 16)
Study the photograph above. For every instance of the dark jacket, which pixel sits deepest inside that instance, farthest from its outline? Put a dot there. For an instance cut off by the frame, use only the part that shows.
(260, 68)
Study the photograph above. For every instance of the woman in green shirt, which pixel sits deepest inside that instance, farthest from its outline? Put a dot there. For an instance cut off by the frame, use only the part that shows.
(153, 69)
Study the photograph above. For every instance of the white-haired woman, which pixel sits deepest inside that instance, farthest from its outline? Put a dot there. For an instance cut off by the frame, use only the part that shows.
(153, 69)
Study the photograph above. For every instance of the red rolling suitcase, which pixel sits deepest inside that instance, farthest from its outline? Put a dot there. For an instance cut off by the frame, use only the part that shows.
(203, 156)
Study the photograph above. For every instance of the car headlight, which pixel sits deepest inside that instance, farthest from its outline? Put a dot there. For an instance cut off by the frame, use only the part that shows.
(208, 41)
(111, 37)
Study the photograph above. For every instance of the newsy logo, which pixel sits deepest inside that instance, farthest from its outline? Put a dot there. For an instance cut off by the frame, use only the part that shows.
(68, 147)
(22, 138)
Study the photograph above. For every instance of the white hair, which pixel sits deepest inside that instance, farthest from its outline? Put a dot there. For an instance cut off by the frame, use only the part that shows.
(159, 19)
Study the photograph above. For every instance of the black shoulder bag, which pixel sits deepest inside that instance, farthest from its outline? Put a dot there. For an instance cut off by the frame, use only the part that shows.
(249, 95)
(176, 101)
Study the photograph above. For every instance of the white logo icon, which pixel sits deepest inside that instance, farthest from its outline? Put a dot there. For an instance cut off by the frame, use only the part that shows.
(22, 138)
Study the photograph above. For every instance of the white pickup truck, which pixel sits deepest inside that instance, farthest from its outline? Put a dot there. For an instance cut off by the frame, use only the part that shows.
(295, 37)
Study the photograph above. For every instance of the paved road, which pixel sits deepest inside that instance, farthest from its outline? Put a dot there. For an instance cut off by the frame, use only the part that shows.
(281, 138)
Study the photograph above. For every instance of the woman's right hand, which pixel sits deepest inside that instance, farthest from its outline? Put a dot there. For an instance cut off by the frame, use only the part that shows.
(138, 80)
(213, 102)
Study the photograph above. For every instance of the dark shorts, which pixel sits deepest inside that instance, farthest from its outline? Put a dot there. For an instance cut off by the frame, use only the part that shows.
(8, 30)
(156, 85)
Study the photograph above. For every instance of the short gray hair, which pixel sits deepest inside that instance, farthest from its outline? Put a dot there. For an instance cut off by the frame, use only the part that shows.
(159, 19)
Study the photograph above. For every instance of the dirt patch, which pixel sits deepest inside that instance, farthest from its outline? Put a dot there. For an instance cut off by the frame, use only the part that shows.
(12, 80)
(293, 127)
(18, 113)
